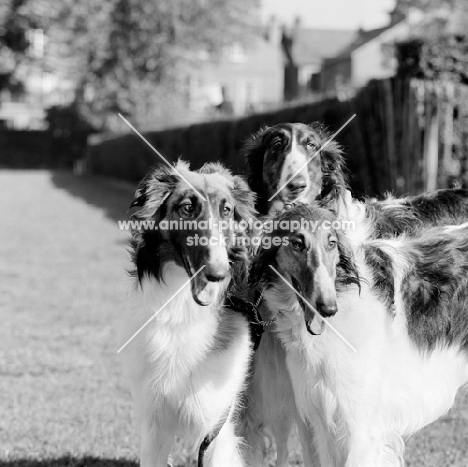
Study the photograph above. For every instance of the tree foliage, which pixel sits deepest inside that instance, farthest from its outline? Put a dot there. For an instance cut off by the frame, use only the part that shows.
(443, 17)
(129, 55)
(14, 26)
(445, 58)
(438, 48)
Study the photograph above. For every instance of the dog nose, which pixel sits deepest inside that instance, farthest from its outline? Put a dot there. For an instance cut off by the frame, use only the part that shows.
(327, 309)
(298, 183)
(216, 272)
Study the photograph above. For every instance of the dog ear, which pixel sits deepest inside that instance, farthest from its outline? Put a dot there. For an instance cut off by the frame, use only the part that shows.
(334, 186)
(339, 201)
(260, 273)
(252, 153)
(347, 270)
(333, 168)
(140, 194)
(215, 167)
(244, 210)
(253, 144)
(153, 190)
(244, 197)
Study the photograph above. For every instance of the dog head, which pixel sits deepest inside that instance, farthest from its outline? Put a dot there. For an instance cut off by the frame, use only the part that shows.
(311, 254)
(283, 165)
(192, 215)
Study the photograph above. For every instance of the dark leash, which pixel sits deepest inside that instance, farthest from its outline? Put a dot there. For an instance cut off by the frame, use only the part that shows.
(257, 327)
(251, 312)
(211, 436)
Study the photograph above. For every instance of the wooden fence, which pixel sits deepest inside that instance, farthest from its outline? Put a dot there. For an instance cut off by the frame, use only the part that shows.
(413, 133)
(408, 136)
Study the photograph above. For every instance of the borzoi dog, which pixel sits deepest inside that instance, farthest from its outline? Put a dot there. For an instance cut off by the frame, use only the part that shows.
(407, 320)
(410, 214)
(188, 365)
(272, 156)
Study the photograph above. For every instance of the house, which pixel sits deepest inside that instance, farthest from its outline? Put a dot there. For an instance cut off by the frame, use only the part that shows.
(304, 50)
(243, 79)
(369, 56)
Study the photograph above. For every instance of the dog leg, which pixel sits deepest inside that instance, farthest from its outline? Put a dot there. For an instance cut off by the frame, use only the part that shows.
(279, 404)
(375, 452)
(281, 430)
(306, 436)
(325, 447)
(251, 429)
(224, 450)
(155, 444)
(254, 450)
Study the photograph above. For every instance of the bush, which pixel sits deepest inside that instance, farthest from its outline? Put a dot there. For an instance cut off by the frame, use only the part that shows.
(443, 58)
(129, 158)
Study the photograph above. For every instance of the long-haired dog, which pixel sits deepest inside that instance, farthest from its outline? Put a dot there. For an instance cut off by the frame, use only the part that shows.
(189, 364)
(272, 156)
(411, 214)
(308, 260)
(407, 319)
(275, 154)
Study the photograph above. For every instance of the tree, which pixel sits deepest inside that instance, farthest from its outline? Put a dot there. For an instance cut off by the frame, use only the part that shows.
(14, 26)
(128, 56)
(442, 16)
(438, 48)
(131, 56)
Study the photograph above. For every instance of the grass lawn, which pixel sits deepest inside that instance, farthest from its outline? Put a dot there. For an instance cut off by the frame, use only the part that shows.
(63, 399)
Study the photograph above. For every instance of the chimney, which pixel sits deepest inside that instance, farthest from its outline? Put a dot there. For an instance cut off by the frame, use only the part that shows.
(296, 26)
(273, 30)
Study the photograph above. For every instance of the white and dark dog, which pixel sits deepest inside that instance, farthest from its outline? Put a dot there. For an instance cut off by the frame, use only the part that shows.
(273, 155)
(188, 365)
(284, 166)
(282, 170)
(406, 317)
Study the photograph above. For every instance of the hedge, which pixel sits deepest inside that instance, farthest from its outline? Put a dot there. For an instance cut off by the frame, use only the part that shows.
(384, 146)
(129, 158)
(25, 149)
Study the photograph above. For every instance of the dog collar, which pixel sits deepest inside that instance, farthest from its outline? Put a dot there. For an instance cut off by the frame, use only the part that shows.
(250, 310)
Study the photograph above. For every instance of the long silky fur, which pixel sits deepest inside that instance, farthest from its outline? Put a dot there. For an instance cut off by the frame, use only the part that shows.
(375, 219)
(331, 158)
(410, 329)
(412, 214)
(218, 334)
(332, 190)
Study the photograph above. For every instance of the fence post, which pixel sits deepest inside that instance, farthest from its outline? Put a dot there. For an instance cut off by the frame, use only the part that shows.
(447, 157)
(431, 140)
(388, 118)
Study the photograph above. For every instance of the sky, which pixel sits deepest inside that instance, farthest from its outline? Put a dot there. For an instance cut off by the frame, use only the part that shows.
(336, 14)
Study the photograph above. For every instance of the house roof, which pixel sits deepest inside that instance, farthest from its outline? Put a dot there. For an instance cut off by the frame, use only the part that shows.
(363, 37)
(311, 46)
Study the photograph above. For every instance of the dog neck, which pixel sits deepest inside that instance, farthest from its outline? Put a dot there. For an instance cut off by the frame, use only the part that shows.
(173, 285)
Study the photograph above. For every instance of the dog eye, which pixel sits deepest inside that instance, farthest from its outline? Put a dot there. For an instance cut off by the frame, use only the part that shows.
(186, 210)
(311, 145)
(227, 210)
(332, 243)
(277, 143)
(297, 244)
